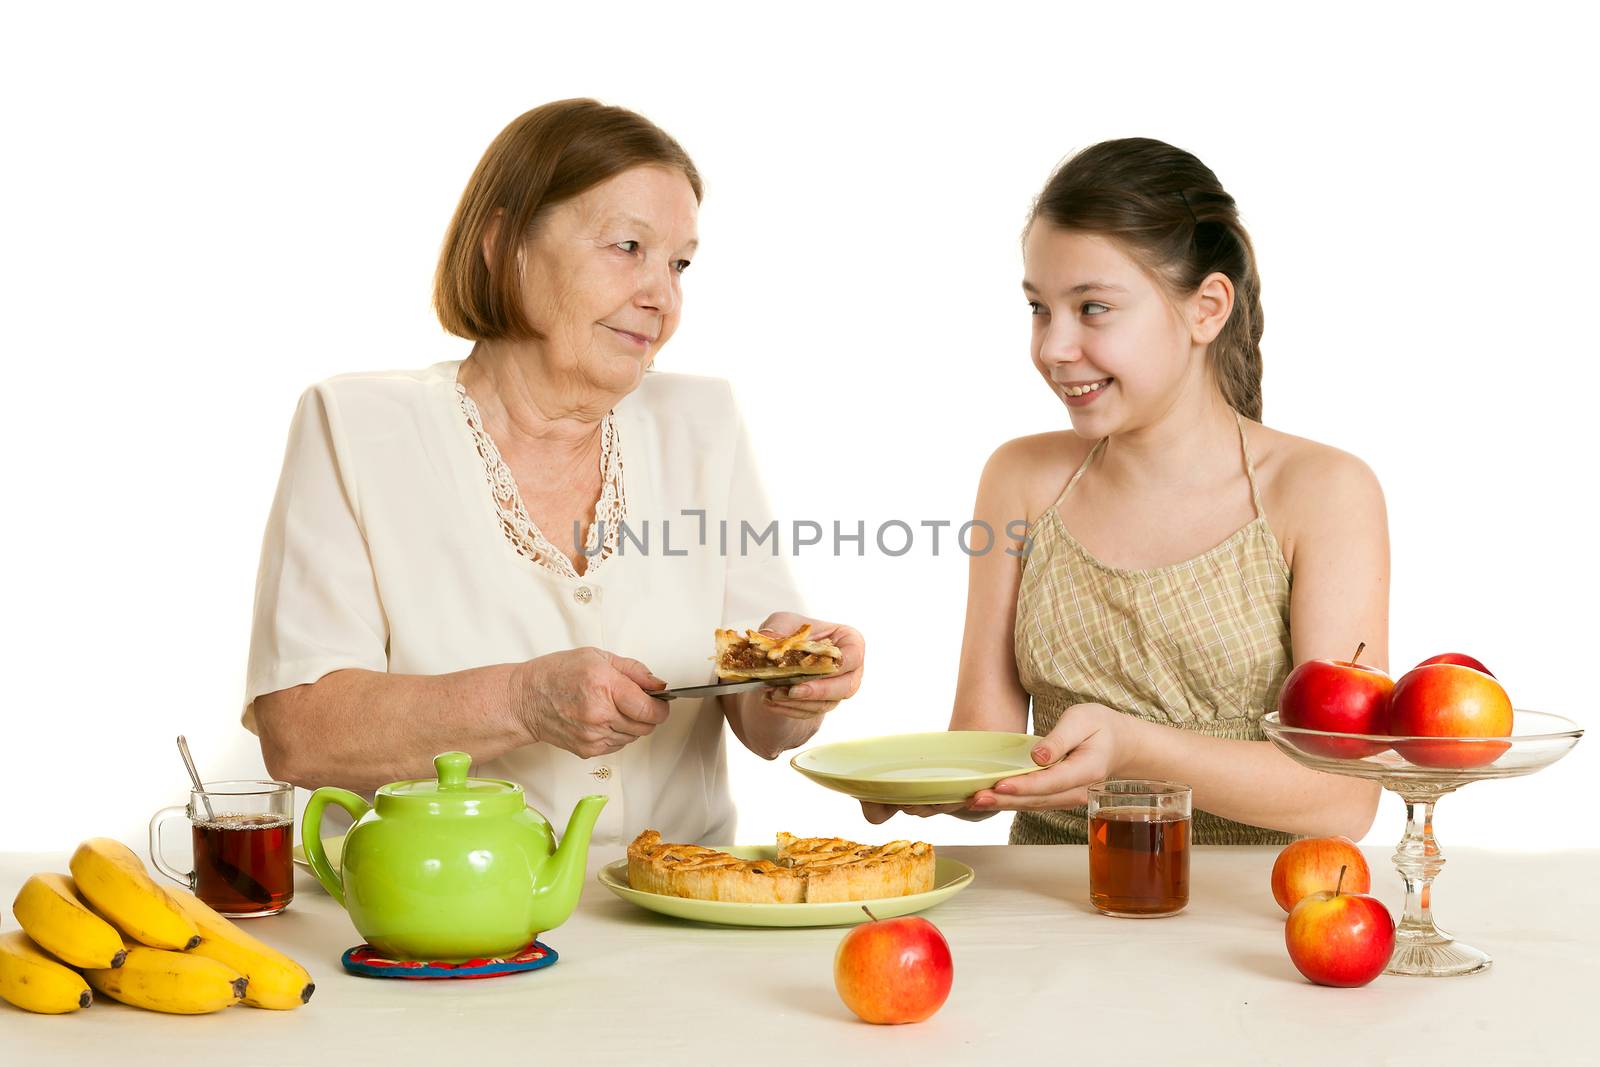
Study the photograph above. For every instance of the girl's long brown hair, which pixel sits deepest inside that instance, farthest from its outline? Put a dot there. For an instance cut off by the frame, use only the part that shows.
(1171, 214)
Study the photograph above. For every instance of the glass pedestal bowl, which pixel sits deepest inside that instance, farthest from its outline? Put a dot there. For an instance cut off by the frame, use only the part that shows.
(1421, 770)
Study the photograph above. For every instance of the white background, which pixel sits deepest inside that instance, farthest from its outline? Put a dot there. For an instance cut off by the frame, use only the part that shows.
(203, 212)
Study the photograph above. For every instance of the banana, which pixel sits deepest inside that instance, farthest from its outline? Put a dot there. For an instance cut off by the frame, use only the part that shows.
(50, 912)
(34, 982)
(179, 983)
(276, 981)
(114, 881)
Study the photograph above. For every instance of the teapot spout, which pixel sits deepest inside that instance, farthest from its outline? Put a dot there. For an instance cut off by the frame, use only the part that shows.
(560, 880)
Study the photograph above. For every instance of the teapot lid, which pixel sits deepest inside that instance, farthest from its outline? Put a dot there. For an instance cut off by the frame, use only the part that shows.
(452, 792)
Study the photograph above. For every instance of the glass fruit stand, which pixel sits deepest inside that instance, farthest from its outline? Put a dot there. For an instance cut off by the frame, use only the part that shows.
(1421, 770)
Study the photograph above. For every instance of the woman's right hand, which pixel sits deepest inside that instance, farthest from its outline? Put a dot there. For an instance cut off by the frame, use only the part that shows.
(587, 701)
(881, 813)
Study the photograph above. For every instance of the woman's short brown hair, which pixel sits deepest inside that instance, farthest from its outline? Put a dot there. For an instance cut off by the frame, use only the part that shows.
(544, 157)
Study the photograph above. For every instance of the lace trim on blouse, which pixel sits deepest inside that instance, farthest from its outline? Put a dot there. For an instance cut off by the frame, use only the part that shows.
(529, 541)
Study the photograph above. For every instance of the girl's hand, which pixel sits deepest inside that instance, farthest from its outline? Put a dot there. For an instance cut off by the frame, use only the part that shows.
(817, 696)
(1090, 743)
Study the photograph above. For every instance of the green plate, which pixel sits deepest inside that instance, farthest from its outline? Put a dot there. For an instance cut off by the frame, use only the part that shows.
(949, 878)
(333, 846)
(935, 768)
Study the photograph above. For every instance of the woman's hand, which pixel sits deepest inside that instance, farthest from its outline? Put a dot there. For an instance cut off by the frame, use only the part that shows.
(881, 813)
(587, 701)
(820, 695)
(1090, 743)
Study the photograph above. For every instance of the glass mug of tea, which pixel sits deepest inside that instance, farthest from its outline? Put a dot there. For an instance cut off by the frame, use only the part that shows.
(1139, 848)
(243, 833)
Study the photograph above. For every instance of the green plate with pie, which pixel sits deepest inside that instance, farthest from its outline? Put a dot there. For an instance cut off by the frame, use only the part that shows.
(949, 878)
(933, 768)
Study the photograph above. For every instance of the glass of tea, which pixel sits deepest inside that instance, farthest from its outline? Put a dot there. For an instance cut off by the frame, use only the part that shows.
(1139, 848)
(243, 834)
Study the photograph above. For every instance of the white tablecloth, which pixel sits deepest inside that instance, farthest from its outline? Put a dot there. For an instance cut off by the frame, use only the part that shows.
(1037, 972)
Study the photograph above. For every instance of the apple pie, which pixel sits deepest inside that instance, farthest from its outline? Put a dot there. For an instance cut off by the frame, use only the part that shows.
(808, 870)
(836, 869)
(742, 657)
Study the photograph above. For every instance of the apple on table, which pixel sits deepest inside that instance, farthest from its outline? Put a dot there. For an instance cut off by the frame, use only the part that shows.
(1340, 939)
(893, 970)
(1317, 863)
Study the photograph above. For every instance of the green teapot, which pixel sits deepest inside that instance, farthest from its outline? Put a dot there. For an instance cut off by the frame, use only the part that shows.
(453, 868)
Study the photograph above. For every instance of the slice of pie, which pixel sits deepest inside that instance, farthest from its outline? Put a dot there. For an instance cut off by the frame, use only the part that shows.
(742, 657)
(706, 874)
(812, 870)
(836, 869)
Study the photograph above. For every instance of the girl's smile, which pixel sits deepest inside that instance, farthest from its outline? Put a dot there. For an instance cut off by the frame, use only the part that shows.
(1082, 393)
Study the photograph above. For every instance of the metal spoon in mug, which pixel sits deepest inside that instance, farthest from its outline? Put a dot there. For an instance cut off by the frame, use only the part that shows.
(194, 776)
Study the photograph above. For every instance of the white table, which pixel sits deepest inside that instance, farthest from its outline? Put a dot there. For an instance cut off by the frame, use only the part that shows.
(1037, 971)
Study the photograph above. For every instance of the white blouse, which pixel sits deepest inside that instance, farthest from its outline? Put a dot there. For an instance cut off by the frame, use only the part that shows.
(384, 551)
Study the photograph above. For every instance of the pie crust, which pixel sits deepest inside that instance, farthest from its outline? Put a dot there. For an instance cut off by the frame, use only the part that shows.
(837, 869)
(706, 874)
(752, 654)
(809, 870)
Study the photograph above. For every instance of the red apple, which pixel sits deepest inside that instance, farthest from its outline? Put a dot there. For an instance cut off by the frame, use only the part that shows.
(1449, 700)
(1341, 696)
(893, 970)
(1340, 939)
(1315, 864)
(1459, 658)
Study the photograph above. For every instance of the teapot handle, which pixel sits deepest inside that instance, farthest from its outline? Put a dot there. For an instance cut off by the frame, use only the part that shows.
(311, 835)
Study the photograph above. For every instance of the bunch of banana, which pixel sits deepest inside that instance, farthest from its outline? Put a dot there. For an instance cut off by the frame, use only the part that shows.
(135, 942)
(180, 983)
(113, 879)
(33, 981)
(276, 981)
(49, 910)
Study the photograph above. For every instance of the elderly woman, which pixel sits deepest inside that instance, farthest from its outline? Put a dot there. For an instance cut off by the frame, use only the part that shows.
(414, 593)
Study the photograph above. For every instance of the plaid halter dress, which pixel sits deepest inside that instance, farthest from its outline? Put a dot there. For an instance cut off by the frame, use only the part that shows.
(1201, 645)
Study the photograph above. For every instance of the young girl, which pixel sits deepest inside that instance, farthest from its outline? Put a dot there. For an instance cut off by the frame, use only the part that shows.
(1181, 557)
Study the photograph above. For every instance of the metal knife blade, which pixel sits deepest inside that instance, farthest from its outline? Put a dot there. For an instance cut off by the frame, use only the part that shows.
(689, 692)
